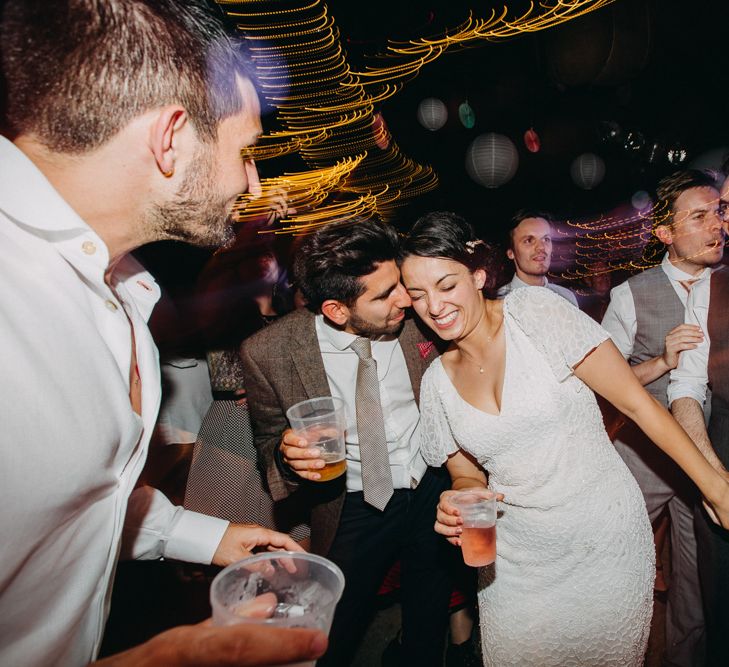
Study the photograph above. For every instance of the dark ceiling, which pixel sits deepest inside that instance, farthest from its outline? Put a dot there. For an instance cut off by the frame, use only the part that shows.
(656, 68)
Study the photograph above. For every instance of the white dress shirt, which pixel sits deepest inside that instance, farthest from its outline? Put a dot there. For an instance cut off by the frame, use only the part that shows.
(400, 412)
(72, 448)
(691, 377)
(620, 320)
(517, 282)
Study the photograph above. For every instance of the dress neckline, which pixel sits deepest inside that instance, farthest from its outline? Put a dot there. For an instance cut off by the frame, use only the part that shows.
(503, 386)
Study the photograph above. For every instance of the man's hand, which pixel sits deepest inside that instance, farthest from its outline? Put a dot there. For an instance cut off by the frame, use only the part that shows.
(680, 338)
(303, 460)
(240, 539)
(241, 397)
(242, 645)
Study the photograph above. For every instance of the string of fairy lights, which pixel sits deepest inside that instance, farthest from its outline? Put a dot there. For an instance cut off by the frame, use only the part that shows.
(327, 112)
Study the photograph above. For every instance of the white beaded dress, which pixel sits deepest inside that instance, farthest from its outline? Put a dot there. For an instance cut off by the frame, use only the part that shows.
(573, 579)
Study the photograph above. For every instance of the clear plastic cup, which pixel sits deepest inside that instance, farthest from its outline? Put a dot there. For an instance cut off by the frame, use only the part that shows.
(322, 422)
(282, 588)
(478, 539)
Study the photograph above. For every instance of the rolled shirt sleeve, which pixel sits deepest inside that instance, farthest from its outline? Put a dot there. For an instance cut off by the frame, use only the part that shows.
(155, 528)
(691, 377)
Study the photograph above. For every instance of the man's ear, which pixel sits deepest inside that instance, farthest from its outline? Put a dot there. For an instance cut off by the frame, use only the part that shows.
(162, 137)
(510, 254)
(664, 234)
(335, 311)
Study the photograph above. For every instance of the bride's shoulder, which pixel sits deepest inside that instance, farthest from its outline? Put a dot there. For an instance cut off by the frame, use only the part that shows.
(526, 296)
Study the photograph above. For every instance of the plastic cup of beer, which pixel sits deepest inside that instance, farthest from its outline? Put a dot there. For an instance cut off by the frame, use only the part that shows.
(322, 422)
(478, 539)
(287, 589)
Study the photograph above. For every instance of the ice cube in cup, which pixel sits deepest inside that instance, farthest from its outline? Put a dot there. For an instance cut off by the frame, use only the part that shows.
(280, 588)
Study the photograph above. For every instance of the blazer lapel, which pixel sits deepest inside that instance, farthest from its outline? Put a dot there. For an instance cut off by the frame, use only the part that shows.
(419, 351)
(307, 358)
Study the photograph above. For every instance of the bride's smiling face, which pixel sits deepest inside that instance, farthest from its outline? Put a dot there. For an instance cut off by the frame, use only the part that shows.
(445, 294)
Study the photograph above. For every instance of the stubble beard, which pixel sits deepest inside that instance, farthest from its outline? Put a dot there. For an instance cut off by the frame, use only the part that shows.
(363, 327)
(197, 214)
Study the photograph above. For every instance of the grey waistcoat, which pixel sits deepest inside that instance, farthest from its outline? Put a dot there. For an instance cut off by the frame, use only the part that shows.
(658, 310)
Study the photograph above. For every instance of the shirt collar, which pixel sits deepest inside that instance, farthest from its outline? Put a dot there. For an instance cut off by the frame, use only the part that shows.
(339, 339)
(676, 274)
(30, 201)
(517, 282)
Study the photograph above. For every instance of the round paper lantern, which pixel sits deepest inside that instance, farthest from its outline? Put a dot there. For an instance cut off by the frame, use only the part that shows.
(467, 115)
(641, 200)
(531, 140)
(432, 114)
(492, 160)
(587, 171)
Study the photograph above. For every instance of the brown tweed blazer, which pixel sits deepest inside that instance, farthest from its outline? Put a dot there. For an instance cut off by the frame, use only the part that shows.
(283, 365)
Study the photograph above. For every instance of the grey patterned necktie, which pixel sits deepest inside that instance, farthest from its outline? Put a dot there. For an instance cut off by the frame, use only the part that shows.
(376, 474)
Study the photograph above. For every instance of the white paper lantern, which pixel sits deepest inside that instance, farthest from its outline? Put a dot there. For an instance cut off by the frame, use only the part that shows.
(641, 201)
(492, 160)
(432, 114)
(587, 171)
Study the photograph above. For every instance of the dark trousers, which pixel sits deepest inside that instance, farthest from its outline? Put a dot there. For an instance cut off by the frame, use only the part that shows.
(366, 544)
(713, 552)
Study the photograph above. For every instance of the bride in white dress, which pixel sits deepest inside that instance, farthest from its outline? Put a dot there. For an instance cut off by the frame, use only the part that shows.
(573, 578)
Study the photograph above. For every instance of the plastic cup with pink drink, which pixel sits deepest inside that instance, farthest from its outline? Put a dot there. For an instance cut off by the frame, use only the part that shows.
(477, 508)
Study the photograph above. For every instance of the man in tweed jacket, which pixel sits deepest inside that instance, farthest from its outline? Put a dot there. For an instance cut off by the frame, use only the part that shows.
(350, 278)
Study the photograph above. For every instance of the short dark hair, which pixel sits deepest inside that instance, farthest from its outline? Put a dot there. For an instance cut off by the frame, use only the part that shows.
(672, 187)
(446, 235)
(331, 260)
(77, 71)
(519, 217)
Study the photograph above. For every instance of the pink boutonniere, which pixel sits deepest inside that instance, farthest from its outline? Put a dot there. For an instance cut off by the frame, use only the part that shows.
(425, 348)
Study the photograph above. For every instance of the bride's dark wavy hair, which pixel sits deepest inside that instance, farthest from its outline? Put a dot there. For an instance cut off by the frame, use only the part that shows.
(446, 235)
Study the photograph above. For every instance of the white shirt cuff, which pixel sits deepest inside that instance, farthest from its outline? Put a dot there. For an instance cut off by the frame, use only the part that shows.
(194, 537)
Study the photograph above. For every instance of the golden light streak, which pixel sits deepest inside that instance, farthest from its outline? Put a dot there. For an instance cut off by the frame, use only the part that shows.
(326, 110)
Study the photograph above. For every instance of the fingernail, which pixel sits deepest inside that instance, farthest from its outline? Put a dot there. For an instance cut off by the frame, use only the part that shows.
(318, 645)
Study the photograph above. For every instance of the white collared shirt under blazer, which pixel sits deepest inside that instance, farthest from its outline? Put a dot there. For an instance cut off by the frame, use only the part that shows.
(399, 409)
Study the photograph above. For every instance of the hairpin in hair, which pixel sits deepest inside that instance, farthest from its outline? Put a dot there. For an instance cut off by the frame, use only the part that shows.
(471, 246)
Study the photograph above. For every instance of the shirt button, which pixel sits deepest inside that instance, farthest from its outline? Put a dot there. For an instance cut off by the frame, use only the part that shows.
(89, 247)
(111, 305)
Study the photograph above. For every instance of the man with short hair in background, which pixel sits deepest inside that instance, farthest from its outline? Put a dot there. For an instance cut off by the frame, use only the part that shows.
(652, 320)
(127, 120)
(688, 392)
(530, 248)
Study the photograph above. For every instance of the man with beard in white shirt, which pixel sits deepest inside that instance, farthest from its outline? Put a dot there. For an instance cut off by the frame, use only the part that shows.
(127, 120)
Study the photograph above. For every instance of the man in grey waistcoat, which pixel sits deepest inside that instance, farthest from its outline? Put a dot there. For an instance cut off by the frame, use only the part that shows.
(652, 320)
(708, 366)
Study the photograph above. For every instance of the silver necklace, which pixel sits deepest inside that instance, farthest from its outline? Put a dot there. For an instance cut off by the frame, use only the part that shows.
(489, 339)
